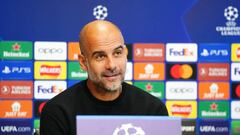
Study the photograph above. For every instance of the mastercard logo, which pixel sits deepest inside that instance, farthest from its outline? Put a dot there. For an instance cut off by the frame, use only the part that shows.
(181, 71)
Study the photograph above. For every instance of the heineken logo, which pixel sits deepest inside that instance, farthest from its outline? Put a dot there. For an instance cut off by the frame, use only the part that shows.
(214, 109)
(16, 50)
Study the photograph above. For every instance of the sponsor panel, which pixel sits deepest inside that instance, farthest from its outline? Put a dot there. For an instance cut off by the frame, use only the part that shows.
(181, 90)
(148, 52)
(48, 89)
(16, 50)
(73, 50)
(129, 71)
(188, 127)
(18, 70)
(16, 127)
(181, 52)
(213, 71)
(235, 90)
(181, 71)
(235, 71)
(213, 109)
(184, 109)
(50, 70)
(38, 106)
(235, 52)
(235, 109)
(16, 89)
(214, 90)
(50, 50)
(36, 130)
(154, 88)
(75, 72)
(149, 71)
(235, 130)
(71, 83)
(130, 54)
(16, 108)
(214, 127)
(214, 52)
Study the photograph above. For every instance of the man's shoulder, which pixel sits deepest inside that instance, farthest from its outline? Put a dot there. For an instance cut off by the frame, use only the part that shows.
(67, 96)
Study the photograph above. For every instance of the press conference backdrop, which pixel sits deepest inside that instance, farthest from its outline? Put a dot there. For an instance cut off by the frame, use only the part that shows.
(185, 53)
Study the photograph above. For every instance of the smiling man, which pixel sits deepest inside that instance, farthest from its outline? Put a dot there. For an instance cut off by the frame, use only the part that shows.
(104, 57)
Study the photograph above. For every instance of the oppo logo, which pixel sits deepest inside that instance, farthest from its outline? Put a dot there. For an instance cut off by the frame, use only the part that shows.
(181, 90)
(237, 109)
(50, 50)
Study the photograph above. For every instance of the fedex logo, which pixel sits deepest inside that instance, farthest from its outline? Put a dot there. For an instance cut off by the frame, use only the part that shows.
(48, 89)
(235, 71)
(51, 89)
(181, 52)
(16, 70)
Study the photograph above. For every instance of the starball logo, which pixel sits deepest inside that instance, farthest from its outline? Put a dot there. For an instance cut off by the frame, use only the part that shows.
(231, 29)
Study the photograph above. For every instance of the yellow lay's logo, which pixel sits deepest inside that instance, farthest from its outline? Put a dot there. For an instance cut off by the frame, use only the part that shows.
(184, 109)
(235, 52)
(50, 70)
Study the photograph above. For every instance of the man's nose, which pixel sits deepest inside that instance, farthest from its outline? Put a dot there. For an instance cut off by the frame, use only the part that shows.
(110, 63)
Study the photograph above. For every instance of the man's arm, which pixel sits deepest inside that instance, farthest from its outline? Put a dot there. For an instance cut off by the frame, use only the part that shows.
(53, 121)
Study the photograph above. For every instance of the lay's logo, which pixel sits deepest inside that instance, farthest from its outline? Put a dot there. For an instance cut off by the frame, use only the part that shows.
(184, 109)
(50, 70)
(47, 70)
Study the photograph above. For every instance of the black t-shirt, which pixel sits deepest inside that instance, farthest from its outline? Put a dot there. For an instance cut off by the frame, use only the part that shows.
(58, 116)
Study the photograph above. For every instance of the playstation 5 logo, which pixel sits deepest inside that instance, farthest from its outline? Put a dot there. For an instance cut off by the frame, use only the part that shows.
(6, 70)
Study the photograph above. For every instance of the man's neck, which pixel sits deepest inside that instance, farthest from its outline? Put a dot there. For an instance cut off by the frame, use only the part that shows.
(102, 94)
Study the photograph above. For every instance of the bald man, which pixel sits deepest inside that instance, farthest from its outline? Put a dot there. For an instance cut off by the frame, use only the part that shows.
(104, 57)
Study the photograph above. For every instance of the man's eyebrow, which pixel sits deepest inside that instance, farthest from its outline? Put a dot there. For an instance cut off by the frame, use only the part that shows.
(102, 52)
(119, 47)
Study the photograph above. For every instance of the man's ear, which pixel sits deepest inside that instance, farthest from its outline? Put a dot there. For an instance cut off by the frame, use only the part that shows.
(126, 50)
(82, 62)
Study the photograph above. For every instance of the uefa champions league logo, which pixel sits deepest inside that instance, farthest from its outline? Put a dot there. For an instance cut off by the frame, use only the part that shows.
(231, 28)
(128, 129)
(231, 14)
(100, 12)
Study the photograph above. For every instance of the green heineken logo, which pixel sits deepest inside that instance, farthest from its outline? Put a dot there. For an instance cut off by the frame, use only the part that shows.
(219, 109)
(16, 50)
(235, 127)
(75, 72)
(154, 88)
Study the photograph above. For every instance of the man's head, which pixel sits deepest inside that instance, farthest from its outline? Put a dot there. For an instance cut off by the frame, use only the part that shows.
(103, 55)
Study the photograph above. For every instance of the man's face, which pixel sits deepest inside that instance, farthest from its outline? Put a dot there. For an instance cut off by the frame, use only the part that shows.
(106, 64)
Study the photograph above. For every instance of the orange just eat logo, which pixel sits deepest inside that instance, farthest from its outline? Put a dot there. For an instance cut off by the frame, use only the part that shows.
(73, 50)
(214, 90)
(149, 71)
(16, 109)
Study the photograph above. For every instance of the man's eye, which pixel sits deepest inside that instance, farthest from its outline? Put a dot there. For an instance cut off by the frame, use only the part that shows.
(117, 53)
(100, 57)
